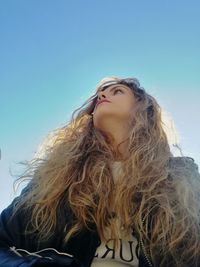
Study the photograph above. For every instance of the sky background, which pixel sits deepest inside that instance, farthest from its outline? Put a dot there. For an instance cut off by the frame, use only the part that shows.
(53, 53)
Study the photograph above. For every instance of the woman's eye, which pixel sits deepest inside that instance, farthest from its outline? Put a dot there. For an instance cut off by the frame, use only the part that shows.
(118, 90)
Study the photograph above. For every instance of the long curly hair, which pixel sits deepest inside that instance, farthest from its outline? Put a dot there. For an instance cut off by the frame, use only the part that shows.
(156, 193)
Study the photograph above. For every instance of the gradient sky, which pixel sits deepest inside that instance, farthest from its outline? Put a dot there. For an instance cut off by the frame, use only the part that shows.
(53, 53)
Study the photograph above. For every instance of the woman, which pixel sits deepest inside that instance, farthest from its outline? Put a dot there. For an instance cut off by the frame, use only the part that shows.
(108, 191)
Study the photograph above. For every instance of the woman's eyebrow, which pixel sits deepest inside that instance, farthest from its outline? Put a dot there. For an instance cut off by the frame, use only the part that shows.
(114, 87)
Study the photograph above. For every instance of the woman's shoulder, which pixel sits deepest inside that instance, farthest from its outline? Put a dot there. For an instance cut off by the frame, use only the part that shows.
(181, 160)
(184, 163)
(185, 176)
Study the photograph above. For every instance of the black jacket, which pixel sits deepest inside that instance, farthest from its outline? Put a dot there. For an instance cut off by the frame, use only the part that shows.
(17, 249)
(20, 250)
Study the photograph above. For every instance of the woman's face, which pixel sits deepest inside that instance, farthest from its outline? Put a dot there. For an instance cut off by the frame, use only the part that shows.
(119, 104)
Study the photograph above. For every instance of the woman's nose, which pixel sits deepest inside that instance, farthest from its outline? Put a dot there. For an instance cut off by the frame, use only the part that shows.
(101, 95)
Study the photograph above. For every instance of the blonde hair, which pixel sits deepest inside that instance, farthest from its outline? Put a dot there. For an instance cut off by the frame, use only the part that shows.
(157, 194)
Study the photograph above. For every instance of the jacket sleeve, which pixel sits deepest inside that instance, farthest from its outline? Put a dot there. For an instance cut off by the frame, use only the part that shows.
(11, 227)
(16, 250)
(10, 230)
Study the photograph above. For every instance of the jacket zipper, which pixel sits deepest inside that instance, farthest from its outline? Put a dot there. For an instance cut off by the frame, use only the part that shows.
(144, 250)
(145, 253)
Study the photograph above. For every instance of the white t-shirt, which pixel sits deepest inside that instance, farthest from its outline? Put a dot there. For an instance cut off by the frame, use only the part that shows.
(125, 254)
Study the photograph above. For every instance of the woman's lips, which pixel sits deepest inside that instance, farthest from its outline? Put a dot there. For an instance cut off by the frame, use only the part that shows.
(102, 102)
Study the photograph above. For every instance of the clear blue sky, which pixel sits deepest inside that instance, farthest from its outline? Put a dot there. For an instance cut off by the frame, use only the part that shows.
(53, 53)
